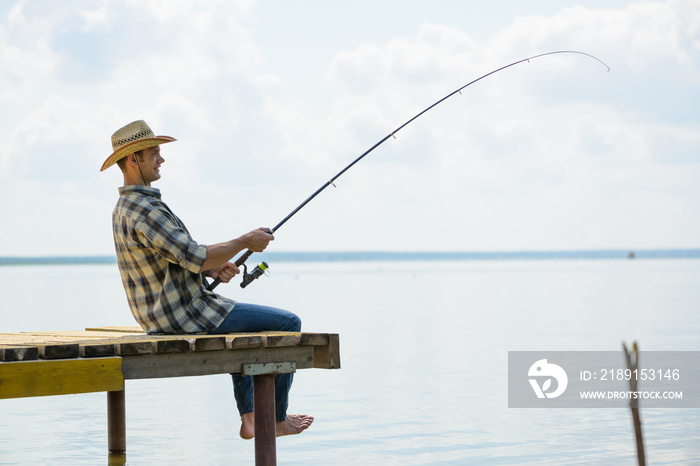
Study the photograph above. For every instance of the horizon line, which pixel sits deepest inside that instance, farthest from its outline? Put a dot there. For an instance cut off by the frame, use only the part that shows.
(358, 256)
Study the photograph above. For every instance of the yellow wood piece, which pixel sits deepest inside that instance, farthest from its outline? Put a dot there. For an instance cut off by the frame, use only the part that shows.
(60, 377)
(116, 329)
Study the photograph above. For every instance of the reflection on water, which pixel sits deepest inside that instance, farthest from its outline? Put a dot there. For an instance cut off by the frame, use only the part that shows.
(424, 350)
(116, 459)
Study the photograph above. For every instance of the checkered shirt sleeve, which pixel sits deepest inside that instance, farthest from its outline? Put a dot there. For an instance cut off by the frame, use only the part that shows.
(160, 266)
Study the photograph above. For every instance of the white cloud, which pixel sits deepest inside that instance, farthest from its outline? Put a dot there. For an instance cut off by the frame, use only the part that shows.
(574, 156)
(538, 156)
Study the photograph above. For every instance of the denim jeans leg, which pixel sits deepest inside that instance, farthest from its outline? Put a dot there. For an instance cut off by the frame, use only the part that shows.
(243, 393)
(256, 318)
(283, 383)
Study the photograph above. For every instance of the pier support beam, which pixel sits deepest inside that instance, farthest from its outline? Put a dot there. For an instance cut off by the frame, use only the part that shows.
(116, 421)
(264, 408)
(265, 439)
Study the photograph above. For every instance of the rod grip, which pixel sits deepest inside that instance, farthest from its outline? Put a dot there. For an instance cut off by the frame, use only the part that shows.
(244, 257)
(240, 261)
(213, 284)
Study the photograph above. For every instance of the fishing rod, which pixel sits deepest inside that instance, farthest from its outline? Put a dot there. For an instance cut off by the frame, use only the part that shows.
(262, 267)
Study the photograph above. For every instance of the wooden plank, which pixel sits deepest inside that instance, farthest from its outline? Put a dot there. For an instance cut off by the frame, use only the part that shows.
(328, 357)
(58, 351)
(276, 340)
(53, 346)
(211, 343)
(97, 350)
(314, 339)
(19, 353)
(184, 343)
(140, 344)
(76, 334)
(8, 339)
(45, 350)
(135, 347)
(169, 343)
(243, 341)
(60, 377)
(157, 365)
(173, 345)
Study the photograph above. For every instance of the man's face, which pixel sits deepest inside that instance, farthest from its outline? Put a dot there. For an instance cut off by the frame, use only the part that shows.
(150, 165)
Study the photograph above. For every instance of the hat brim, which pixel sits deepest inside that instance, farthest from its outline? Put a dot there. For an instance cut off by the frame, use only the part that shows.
(134, 147)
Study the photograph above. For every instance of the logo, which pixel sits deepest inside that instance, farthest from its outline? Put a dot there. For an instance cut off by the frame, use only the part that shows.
(547, 371)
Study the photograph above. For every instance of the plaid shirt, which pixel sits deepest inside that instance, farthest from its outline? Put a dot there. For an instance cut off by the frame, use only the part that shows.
(160, 266)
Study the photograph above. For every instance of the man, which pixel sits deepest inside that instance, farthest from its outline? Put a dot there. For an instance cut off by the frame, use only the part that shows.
(163, 270)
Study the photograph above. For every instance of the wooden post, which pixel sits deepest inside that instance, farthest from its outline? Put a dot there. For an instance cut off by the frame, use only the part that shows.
(264, 402)
(632, 360)
(116, 421)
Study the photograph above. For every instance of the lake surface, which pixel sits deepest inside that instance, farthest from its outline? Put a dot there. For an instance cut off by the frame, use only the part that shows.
(424, 352)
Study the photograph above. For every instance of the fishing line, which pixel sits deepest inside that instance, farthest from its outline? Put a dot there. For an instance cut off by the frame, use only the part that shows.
(260, 269)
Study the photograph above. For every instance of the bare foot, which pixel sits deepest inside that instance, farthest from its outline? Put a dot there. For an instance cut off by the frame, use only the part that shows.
(248, 426)
(294, 424)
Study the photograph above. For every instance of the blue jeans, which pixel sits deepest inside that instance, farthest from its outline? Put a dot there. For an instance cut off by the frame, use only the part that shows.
(255, 318)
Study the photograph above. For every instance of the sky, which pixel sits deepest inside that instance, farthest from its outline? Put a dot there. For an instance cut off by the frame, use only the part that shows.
(269, 100)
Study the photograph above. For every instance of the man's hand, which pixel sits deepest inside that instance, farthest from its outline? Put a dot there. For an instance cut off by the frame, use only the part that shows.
(257, 240)
(225, 272)
(221, 253)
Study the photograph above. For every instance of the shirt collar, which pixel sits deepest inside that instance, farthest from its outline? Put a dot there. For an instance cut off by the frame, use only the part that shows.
(140, 189)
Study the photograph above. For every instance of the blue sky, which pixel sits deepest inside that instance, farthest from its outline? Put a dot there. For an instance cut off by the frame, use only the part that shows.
(268, 100)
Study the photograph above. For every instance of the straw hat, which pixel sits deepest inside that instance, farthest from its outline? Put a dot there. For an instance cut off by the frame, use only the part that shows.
(131, 138)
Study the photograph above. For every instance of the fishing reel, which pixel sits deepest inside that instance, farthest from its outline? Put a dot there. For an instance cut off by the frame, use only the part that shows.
(259, 270)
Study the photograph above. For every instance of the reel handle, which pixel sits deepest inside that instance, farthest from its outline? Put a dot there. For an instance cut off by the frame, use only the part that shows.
(248, 278)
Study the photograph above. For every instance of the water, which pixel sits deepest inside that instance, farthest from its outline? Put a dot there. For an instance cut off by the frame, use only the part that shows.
(424, 349)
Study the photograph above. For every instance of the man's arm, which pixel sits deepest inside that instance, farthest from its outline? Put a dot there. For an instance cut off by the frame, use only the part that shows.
(219, 254)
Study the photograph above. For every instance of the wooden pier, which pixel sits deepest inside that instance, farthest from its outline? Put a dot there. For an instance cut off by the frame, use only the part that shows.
(101, 359)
